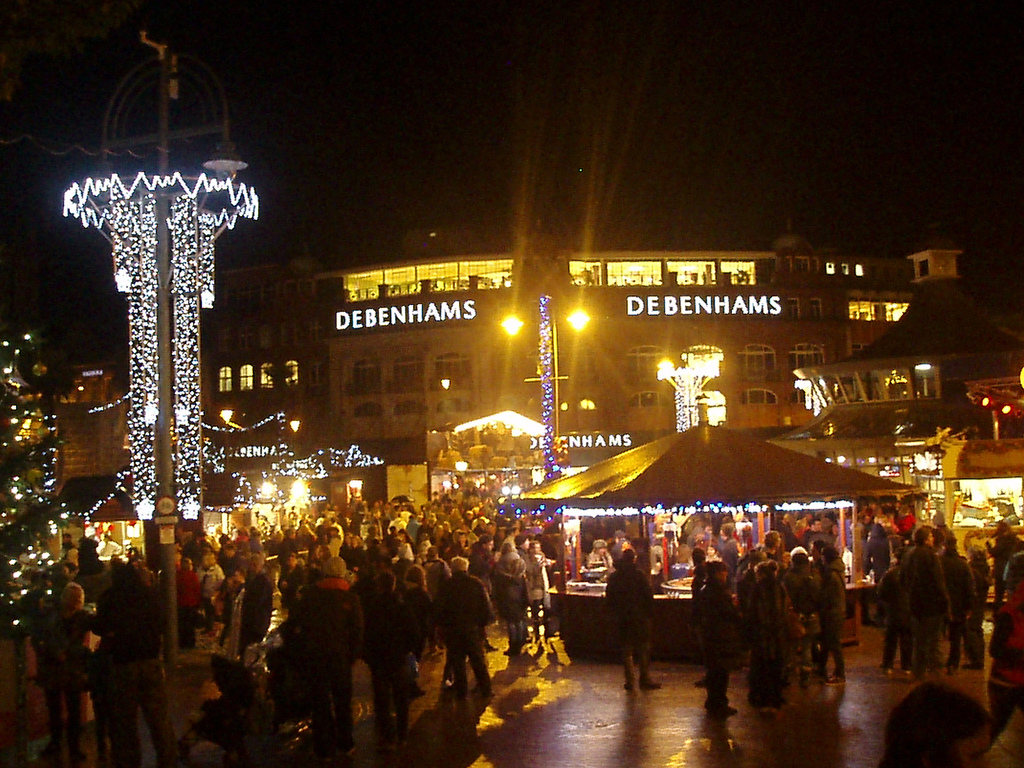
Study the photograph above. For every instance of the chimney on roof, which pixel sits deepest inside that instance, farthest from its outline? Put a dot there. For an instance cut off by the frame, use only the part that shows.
(935, 264)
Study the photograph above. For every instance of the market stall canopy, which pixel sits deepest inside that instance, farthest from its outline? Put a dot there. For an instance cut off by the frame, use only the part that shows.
(101, 498)
(712, 465)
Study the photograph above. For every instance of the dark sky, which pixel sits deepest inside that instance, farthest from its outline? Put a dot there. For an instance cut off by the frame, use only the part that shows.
(603, 124)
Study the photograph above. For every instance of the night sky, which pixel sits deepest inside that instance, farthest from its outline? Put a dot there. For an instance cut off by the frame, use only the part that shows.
(610, 125)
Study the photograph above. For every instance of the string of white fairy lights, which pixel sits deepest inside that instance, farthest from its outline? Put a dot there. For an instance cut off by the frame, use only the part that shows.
(128, 212)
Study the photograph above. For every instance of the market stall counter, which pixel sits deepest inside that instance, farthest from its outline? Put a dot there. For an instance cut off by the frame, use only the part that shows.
(586, 623)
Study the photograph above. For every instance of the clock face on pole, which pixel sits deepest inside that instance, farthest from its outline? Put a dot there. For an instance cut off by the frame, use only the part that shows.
(165, 506)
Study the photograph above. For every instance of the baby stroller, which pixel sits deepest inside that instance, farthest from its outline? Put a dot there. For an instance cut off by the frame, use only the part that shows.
(287, 682)
(224, 720)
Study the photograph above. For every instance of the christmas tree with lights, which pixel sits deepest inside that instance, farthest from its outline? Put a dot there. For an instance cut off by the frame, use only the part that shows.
(28, 522)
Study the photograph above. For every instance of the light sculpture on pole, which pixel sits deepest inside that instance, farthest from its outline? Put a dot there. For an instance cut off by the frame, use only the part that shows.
(701, 364)
(162, 229)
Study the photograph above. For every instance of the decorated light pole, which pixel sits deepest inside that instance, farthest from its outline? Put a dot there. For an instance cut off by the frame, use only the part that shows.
(700, 365)
(162, 229)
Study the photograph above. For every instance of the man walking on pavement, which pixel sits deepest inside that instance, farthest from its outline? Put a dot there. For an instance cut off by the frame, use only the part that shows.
(463, 613)
(631, 601)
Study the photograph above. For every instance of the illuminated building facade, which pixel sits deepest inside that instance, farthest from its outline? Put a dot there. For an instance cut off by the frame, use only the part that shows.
(380, 356)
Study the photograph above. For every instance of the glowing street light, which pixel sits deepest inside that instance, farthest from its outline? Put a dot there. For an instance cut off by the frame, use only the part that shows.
(548, 370)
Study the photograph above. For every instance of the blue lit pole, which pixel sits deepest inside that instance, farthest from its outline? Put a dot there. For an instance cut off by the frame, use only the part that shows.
(548, 382)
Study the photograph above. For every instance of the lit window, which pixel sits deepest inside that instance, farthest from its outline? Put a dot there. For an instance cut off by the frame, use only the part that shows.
(587, 405)
(291, 376)
(585, 272)
(266, 376)
(634, 273)
(245, 377)
(224, 379)
(830, 267)
(846, 269)
(858, 270)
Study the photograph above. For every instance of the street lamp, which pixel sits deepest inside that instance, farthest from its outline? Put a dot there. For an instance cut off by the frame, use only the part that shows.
(548, 370)
(700, 364)
(162, 229)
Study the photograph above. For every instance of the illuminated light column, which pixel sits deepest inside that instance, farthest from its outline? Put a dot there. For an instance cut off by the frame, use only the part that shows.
(547, 386)
(701, 364)
(128, 213)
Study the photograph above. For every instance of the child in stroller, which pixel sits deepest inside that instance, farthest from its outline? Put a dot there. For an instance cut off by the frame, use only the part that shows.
(224, 720)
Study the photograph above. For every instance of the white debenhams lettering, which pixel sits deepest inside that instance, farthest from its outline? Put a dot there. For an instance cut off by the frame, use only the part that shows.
(382, 317)
(590, 440)
(657, 305)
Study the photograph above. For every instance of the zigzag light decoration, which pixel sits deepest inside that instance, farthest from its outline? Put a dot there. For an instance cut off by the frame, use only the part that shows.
(128, 212)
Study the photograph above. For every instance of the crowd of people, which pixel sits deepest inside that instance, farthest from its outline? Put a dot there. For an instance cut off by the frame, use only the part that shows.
(391, 583)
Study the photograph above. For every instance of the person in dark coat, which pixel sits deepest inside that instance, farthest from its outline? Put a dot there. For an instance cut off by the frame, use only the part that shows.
(769, 638)
(1001, 550)
(257, 604)
(974, 637)
(418, 600)
(929, 603)
(803, 585)
(394, 636)
(508, 588)
(960, 588)
(721, 636)
(291, 579)
(895, 602)
(877, 552)
(328, 630)
(61, 669)
(128, 623)
(463, 611)
(833, 616)
(631, 602)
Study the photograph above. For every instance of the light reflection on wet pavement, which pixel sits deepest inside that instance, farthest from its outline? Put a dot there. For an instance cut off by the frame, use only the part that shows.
(550, 711)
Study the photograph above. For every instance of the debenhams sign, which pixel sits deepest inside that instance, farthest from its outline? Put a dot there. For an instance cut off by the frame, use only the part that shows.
(418, 313)
(427, 312)
(652, 306)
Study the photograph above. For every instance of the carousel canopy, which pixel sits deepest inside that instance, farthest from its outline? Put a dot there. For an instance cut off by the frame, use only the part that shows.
(711, 465)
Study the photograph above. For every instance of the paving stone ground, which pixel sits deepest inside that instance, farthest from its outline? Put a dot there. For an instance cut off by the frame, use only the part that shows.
(549, 710)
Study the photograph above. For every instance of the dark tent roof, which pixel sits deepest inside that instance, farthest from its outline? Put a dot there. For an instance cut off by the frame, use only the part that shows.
(712, 465)
(101, 497)
(941, 320)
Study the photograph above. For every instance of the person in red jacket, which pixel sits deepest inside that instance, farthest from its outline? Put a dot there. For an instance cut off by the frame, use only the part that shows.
(190, 596)
(1006, 681)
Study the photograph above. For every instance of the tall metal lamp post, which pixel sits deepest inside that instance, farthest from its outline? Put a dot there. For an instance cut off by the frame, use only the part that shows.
(548, 374)
(701, 364)
(162, 229)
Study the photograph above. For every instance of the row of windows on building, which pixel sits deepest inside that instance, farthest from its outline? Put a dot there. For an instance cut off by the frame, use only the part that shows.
(269, 375)
(646, 399)
(268, 335)
(454, 370)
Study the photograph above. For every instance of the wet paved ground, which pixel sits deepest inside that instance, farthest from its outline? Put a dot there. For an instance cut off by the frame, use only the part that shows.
(552, 711)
